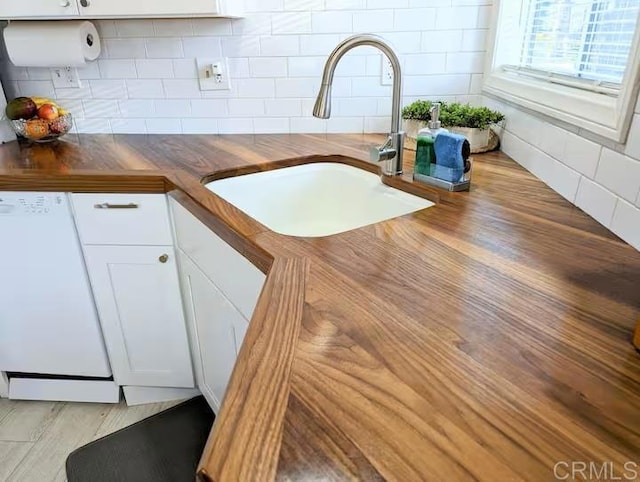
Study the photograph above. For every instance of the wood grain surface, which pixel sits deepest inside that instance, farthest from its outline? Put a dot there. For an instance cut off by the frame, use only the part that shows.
(489, 337)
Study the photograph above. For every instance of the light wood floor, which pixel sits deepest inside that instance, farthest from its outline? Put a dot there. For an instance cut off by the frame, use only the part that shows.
(36, 437)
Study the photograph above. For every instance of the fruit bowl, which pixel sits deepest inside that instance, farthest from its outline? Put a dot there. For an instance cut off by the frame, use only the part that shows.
(42, 130)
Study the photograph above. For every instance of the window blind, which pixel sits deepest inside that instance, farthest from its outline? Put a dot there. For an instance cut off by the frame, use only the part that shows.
(581, 43)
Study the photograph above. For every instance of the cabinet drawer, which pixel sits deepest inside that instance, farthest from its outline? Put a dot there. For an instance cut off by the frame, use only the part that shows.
(122, 219)
(239, 280)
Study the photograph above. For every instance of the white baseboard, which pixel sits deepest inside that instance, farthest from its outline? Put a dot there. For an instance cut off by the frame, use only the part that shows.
(97, 391)
(141, 395)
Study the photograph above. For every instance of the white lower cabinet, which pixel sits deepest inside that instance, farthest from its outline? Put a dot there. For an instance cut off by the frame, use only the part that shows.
(216, 329)
(137, 293)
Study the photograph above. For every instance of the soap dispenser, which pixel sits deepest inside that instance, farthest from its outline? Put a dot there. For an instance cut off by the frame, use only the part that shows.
(425, 151)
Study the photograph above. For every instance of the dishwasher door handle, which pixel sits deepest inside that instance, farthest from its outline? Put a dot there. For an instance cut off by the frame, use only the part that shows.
(116, 206)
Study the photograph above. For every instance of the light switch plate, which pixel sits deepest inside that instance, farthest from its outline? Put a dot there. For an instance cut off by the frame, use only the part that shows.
(213, 74)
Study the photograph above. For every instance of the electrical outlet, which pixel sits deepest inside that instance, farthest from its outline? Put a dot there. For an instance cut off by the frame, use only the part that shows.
(386, 71)
(65, 77)
(213, 74)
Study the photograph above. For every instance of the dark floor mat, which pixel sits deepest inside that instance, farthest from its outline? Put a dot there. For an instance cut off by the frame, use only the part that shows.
(164, 447)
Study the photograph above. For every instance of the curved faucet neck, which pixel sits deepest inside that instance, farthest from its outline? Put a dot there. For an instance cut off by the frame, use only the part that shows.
(323, 103)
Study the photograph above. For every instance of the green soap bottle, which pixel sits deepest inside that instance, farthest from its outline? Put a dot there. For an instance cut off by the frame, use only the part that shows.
(425, 155)
(425, 150)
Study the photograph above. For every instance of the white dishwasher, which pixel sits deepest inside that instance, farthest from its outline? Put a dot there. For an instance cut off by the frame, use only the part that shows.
(49, 329)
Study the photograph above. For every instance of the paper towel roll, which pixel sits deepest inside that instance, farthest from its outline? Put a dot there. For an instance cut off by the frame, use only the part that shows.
(52, 44)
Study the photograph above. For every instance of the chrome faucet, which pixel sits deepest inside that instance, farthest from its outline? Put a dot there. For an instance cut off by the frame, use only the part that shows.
(391, 152)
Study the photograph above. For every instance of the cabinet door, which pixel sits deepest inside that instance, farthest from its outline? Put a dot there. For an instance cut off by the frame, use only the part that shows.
(137, 293)
(147, 8)
(38, 8)
(212, 322)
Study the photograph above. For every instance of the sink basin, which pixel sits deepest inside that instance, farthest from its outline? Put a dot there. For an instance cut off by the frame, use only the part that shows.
(317, 199)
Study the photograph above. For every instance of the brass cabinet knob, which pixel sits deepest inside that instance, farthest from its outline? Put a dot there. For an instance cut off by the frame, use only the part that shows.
(85, 3)
(164, 258)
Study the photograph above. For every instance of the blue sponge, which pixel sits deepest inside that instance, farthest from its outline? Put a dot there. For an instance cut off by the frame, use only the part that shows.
(449, 158)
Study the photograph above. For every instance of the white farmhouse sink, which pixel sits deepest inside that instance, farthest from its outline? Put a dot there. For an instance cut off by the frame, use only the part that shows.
(317, 199)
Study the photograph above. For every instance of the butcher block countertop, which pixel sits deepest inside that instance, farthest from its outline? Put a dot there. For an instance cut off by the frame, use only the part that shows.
(488, 337)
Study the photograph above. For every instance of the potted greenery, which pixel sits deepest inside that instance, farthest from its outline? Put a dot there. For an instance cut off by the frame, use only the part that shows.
(472, 122)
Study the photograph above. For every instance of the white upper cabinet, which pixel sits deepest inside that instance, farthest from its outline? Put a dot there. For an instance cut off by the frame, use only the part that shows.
(42, 9)
(38, 8)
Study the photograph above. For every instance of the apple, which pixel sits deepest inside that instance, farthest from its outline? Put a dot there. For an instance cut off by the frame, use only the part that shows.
(48, 112)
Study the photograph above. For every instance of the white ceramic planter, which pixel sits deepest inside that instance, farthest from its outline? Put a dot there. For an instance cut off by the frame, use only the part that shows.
(478, 138)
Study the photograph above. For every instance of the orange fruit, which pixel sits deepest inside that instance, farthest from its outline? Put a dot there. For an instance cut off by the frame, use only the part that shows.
(36, 129)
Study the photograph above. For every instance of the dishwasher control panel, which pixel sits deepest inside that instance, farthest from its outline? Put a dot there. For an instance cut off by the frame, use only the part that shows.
(26, 203)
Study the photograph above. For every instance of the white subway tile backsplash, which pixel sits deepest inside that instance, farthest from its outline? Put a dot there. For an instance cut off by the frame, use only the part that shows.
(338, 125)
(184, 69)
(181, 88)
(134, 28)
(255, 24)
(280, 45)
(444, 41)
(125, 48)
(474, 40)
(200, 47)
(420, 64)
(169, 27)
(414, 19)
(596, 201)
(133, 108)
(246, 108)
(92, 125)
(303, 5)
(271, 125)
(283, 107)
(309, 125)
(117, 69)
(449, 18)
(332, 21)
(319, 44)
(300, 87)
(164, 126)
(291, 22)
(101, 108)
(268, 67)
(465, 62)
(626, 223)
(581, 154)
(373, 21)
(172, 108)
(209, 108)
(256, 88)
(128, 126)
(235, 126)
(144, 89)
(146, 78)
(42, 88)
(619, 174)
(164, 48)
(240, 46)
(437, 85)
(108, 89)
(211, 26)
(306, 66)
(83, 92)
(89, 71)
(354, 106)
(200, 126)
(154, 68)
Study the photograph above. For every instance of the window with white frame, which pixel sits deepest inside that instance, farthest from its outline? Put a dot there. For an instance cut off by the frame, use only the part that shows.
(576, 60)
